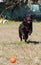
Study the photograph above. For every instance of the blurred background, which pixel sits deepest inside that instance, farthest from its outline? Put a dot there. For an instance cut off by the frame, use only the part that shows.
(16, 9)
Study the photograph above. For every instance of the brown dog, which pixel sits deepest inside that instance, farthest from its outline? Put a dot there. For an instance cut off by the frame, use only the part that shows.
(25, 27)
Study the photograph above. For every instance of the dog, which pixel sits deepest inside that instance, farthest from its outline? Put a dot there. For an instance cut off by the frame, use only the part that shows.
(25, 28)
(27, 21)
(23, 32)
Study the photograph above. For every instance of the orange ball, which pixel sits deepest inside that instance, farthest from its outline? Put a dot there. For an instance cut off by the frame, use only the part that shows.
(12, 59)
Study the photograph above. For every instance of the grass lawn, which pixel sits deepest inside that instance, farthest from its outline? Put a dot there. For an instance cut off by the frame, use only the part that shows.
(10, 45)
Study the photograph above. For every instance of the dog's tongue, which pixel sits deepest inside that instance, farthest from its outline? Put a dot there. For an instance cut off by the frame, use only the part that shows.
(28, 21)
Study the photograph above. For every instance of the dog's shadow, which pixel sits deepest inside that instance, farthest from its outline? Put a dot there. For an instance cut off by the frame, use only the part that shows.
(34, 42)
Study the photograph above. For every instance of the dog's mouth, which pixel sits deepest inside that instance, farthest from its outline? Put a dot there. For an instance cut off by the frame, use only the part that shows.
(28, 22)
